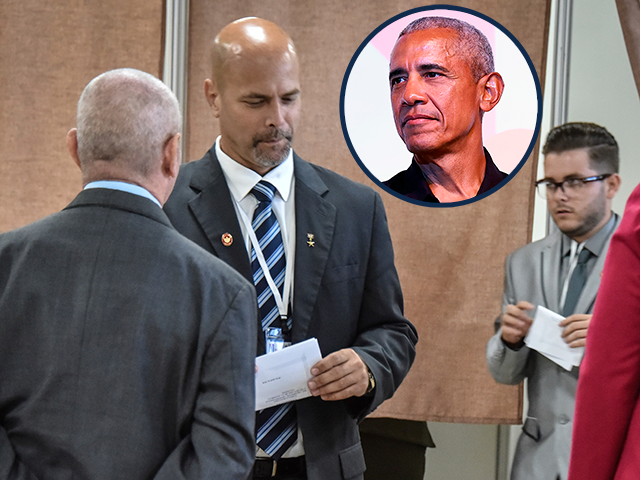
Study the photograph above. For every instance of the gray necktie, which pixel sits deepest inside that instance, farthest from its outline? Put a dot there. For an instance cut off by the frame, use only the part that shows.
(576, 283)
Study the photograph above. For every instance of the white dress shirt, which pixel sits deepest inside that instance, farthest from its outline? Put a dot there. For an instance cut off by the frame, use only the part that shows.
(241, 181)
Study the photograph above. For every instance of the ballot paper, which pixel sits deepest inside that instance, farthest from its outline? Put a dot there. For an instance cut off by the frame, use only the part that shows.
(545, 336)
(282, 376)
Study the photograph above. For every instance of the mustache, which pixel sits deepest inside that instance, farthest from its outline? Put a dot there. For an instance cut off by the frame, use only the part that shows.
(414, 116)
(274, 134)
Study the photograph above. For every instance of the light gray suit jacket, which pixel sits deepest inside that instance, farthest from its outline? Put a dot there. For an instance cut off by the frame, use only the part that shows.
(127, 352)
(532, 275)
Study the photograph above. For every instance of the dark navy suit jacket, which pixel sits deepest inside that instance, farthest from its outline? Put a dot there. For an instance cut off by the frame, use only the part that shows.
(346, 291)
(121, 355)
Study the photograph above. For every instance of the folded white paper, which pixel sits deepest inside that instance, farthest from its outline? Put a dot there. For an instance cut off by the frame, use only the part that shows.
(545, 336)
(282, 376)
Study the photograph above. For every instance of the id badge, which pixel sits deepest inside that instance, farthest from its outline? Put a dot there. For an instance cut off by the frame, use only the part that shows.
(275, 339)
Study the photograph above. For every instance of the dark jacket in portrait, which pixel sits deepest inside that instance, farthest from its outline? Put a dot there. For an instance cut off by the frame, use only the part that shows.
(412, 183)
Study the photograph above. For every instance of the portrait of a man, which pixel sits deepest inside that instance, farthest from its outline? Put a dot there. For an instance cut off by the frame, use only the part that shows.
(441, 107)
(442, 81)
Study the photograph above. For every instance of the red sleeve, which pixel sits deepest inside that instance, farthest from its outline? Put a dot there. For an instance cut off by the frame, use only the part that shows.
(610, 372)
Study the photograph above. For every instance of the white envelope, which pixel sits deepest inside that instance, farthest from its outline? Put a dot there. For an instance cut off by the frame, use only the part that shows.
(282, 376)
(545, 336)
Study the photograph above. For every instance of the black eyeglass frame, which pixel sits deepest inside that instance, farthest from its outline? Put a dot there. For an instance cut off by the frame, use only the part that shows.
(547, 183)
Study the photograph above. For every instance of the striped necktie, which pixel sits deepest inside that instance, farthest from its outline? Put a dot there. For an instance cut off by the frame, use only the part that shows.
(267, 229)
(276, 427)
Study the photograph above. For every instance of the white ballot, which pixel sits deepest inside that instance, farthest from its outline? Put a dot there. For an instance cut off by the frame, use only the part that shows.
(282, 376)
(545, 336)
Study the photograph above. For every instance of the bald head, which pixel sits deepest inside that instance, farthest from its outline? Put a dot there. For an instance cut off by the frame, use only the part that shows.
(249, 39)
(255, 92)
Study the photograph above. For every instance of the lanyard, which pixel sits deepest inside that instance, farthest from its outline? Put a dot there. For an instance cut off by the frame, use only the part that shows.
(282, 308)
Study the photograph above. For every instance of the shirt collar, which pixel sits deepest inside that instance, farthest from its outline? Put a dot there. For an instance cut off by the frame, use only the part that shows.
(595, 243)
(123, 187)
(241, 179)
(492, 177)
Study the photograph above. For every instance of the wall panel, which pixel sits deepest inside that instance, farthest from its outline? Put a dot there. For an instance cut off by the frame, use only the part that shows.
(48, 52)
(450, 260)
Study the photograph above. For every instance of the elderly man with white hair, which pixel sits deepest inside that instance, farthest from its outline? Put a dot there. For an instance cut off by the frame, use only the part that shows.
(117, 358)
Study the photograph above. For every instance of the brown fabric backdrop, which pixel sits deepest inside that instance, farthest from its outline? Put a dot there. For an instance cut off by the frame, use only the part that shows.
(48, 52)
(450, 260)
(629, 13)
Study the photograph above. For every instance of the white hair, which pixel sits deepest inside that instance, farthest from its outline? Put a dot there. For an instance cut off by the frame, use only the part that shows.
(126, 115)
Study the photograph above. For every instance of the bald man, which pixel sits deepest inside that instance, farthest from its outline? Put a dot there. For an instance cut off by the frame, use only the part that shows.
(123, 354)
(324, 269)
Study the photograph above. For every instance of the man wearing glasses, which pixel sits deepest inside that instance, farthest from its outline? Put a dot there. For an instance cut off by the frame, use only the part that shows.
(561, 273)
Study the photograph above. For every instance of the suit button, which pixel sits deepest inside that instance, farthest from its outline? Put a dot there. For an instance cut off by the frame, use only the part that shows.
(563, 419)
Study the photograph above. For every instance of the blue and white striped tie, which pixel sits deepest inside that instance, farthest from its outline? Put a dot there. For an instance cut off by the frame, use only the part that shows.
(276, 427)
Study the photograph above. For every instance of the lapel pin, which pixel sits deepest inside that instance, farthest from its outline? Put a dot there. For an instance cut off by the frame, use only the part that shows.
(227, 239)
(310, 240)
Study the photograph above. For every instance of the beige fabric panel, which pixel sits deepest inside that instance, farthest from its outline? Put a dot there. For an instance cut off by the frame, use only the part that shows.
(48, 52)
(451, 260)
(629, 13)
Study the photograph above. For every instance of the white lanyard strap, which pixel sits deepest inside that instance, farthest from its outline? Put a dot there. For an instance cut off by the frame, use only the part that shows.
(282, 308)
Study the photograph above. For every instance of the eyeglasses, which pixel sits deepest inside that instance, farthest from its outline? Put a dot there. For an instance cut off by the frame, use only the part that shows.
(570, 186)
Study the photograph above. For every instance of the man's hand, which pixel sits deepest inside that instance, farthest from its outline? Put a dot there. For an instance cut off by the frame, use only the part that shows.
(339, 375)
(575, 332)
(516, 323)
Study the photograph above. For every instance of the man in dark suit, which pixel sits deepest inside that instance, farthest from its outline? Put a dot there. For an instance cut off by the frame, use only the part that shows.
(338, 254)
(442, 82)
(561, 272)
(127, 350)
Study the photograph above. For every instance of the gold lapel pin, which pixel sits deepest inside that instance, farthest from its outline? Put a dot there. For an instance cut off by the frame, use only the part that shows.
(310, 240)
(227, 239)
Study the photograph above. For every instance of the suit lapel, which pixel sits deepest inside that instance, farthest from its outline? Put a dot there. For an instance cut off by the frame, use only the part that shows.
(314, 216)
(214, 211)
(590, 289)
(550, 262)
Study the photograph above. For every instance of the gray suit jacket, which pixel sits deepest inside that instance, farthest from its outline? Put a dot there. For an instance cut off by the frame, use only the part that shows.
(346, 291)
(532, 275)
(121, 354)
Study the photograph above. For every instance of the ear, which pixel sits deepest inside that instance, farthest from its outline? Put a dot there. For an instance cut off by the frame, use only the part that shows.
(171, 157)
(72, 146)
(212, 94)
(491, 87)
(612, 185)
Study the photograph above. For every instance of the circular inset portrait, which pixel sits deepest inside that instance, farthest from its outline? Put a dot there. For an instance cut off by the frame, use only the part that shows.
(441, 106)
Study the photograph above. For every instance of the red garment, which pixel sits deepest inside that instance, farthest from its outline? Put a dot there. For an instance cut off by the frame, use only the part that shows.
(606, 433)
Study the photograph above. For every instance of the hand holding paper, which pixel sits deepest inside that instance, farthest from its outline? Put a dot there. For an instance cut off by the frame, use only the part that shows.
(516, 322)
(340, 375)
(282, 376)
(575, 329)
(546, 336)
